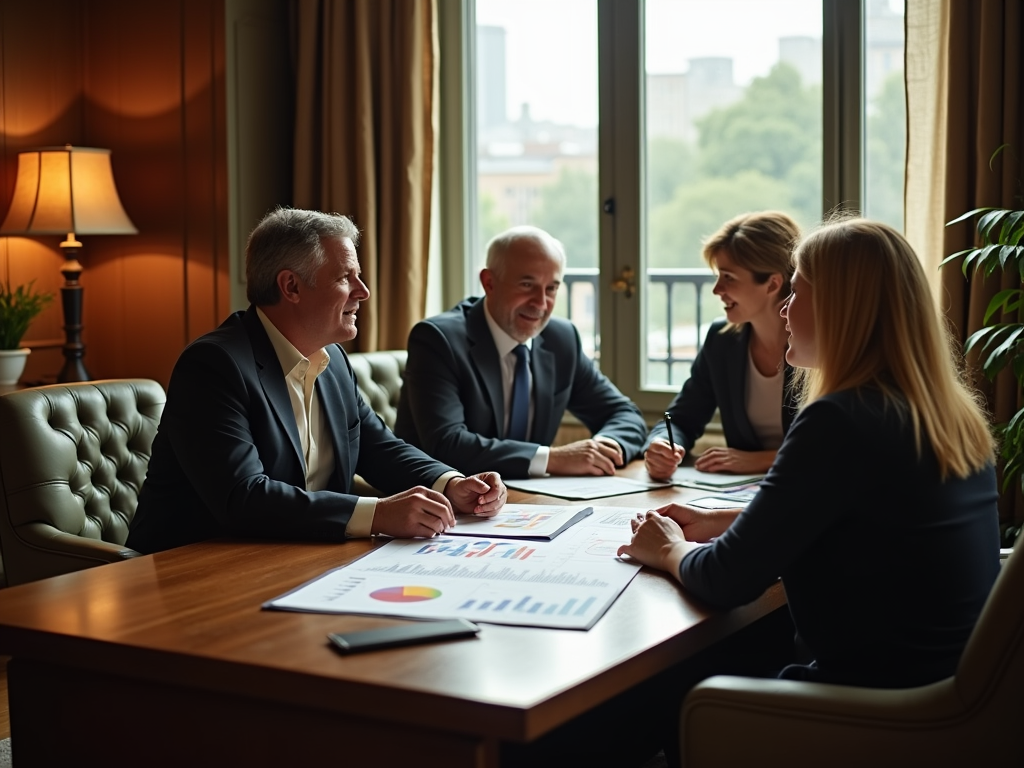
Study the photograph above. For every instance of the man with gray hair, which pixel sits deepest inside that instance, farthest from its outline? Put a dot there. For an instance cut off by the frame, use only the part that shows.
(487, 383)
(264, 427)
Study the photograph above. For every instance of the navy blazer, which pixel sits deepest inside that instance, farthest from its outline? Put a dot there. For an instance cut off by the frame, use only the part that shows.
(886, 564)
(452, 404)
(227, 460)
(718, 379)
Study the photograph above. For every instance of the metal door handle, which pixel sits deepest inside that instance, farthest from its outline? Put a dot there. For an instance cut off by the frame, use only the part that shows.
(625, 283)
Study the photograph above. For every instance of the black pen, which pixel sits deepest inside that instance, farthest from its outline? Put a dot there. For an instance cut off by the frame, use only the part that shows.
(668, 425)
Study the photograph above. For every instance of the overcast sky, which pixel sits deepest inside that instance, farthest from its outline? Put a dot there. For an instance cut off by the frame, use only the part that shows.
(551, 45)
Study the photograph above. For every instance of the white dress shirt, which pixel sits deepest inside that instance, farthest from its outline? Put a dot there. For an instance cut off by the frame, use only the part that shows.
(764, 405)
(505, 345)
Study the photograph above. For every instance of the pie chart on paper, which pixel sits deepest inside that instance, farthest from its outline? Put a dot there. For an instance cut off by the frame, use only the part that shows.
(405, 594)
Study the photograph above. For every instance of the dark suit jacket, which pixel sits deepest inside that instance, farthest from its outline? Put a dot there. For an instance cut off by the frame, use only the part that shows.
(452, 405)
(227, 460)
(718, 379)
(886, 605)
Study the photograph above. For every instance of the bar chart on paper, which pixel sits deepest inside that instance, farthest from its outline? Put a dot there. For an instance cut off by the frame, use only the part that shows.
(551, 604)
(571, 607)
(567, 583)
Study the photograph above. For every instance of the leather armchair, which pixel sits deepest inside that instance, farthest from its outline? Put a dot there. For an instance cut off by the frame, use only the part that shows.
(379, 378)
(968, 719)
(72, 460)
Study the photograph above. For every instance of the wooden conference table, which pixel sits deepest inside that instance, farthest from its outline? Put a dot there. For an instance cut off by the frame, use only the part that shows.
(168, 660)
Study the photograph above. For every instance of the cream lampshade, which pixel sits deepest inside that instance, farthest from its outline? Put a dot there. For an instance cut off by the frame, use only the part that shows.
(67, 191)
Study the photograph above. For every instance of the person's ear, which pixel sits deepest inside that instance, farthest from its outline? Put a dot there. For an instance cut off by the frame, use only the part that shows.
(487, 280)
(288, 284)
(774, 283)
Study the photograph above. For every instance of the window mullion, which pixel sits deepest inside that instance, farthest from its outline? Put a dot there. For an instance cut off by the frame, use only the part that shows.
(620, 144)
(842, 105)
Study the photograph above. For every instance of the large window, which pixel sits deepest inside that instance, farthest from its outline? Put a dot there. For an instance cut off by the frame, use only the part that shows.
(536, 135)
(885, 129)
(631, 130)
(733, 124)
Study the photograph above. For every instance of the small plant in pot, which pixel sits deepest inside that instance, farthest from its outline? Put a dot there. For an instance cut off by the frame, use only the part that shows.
(18, 308)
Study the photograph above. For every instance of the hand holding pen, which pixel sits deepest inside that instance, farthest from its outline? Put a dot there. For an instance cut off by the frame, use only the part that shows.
(662, 456)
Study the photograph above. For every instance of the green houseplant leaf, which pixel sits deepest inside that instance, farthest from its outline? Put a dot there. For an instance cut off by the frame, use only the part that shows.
(1000, 344)
(18, 308)
(1004, 301)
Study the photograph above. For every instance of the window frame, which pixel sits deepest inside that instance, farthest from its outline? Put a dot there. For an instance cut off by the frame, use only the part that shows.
(621, 161)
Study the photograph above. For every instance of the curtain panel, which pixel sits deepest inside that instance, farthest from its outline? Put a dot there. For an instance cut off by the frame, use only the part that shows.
(366, 77)
(964, 99)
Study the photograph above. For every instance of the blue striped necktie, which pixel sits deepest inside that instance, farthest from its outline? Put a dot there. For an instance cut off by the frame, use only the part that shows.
(520, 401)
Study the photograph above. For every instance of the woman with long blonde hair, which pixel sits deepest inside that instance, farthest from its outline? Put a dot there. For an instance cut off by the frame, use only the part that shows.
(879, 512)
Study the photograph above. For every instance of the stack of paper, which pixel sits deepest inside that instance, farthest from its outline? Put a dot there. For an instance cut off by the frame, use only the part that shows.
(694, 478)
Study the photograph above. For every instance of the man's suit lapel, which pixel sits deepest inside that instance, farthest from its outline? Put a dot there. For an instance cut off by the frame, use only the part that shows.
(543, 368)
(332, 408)
(485, 358)
(268, 368)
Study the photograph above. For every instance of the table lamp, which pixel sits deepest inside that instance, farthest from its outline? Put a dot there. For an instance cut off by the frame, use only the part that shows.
(67, 191)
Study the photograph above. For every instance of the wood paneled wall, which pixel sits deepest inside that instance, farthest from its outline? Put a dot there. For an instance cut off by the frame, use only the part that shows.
(145, 80)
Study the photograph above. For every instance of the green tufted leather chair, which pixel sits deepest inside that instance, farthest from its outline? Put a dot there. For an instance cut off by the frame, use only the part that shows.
(379, 378)
(72, 461)
(968, 719)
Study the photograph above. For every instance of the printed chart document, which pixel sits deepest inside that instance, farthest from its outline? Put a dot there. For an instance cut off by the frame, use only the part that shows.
(694, 478)
(567, 583)
(594, 487)
(521, 521)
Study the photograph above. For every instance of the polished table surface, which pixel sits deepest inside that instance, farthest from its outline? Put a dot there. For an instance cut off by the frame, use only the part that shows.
(190, 619)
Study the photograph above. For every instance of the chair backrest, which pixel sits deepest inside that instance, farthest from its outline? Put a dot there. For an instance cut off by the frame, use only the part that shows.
(991, 669)
(72, 460)
(379, 378)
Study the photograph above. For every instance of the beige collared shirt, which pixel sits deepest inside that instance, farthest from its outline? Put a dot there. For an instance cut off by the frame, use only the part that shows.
(300, 374)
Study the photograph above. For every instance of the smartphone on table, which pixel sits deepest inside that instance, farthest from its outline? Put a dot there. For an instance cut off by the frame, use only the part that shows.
(412, 633)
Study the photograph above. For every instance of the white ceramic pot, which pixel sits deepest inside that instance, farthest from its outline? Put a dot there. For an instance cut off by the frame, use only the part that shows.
(12, 364)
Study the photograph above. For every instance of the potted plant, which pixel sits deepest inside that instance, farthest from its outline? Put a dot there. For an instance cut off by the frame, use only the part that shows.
(18, 307)
(1000, 343)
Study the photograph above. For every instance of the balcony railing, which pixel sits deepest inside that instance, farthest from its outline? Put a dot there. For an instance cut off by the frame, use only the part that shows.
(582, 308)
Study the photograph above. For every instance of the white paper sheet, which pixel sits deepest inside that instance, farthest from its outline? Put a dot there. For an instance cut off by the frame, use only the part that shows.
(584, 487)
(566, 583)
(522, 521)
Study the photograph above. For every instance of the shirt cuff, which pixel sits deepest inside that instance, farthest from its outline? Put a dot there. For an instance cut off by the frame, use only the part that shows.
(360, 525)
(442, 481)
(539, 462)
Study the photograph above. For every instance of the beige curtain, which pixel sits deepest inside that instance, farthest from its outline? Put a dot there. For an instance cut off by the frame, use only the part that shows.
(964, 99)
(364, 143)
